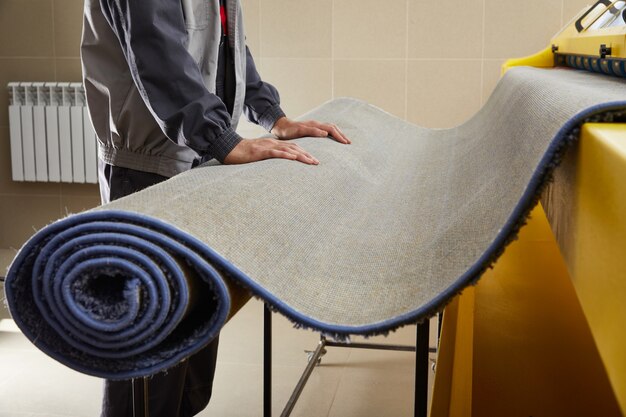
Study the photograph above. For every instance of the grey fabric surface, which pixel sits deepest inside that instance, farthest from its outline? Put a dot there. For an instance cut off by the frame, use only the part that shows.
(390, 225)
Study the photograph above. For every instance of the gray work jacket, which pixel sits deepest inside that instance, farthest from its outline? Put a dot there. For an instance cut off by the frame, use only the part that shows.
(149, 70)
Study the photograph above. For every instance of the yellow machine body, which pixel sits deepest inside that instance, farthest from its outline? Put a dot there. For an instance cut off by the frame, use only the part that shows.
(595, 40)
(544, 332)
(602, 24)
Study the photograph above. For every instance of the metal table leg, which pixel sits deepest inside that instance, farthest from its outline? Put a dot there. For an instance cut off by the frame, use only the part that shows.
(267, 361)
(439, 324)
(421, 369)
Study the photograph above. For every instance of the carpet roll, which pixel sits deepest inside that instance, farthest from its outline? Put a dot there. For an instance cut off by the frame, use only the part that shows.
(383, 233)
(120, 296)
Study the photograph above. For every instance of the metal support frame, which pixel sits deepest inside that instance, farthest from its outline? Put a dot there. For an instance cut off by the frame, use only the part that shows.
(421, 350)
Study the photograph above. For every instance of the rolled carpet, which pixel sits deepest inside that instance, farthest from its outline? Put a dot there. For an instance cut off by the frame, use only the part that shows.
(382, 233)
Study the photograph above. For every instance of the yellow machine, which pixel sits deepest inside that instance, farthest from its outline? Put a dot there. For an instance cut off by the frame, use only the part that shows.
(544, 332)
(596, 40)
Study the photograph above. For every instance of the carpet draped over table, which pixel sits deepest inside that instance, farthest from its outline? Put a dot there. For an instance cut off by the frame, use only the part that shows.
(383, 233)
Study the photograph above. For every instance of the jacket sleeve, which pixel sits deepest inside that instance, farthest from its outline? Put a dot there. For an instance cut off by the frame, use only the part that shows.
(152, 35)
(262, 101)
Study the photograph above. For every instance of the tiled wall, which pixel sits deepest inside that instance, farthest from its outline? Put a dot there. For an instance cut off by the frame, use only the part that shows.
(39, 41)
(431, 62)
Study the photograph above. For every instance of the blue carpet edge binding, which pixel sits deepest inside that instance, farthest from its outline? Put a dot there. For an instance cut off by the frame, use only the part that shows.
(198, 252)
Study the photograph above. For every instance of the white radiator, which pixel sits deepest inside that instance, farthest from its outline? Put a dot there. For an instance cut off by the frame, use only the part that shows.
(52, 139)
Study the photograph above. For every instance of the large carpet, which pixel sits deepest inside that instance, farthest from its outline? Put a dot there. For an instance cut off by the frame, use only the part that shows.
(384, 232)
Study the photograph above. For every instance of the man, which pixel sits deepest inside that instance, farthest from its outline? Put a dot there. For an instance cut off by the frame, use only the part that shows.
(166, 82)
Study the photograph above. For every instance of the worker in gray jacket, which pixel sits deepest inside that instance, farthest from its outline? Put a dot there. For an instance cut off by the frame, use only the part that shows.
(166, 82)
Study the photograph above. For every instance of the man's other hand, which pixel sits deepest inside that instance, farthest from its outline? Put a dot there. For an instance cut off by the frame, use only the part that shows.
(285, 128)
(252, 150)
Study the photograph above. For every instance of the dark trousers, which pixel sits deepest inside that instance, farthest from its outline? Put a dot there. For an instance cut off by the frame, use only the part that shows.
(183, 390)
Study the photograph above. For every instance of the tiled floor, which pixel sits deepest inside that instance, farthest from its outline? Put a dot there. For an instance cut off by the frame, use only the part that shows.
(349, 382)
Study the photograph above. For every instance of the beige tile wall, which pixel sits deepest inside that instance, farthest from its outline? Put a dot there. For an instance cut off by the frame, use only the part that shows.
(39, 41)
(432, 63)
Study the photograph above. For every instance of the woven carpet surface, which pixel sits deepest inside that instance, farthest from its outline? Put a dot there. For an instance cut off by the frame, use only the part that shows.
(382, 233)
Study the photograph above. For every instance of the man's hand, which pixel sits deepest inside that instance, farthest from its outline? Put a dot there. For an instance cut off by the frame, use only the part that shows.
(285, 128)
(252, 150)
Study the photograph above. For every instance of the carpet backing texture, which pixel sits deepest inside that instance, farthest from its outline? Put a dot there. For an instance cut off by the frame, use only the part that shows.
(384, 232)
